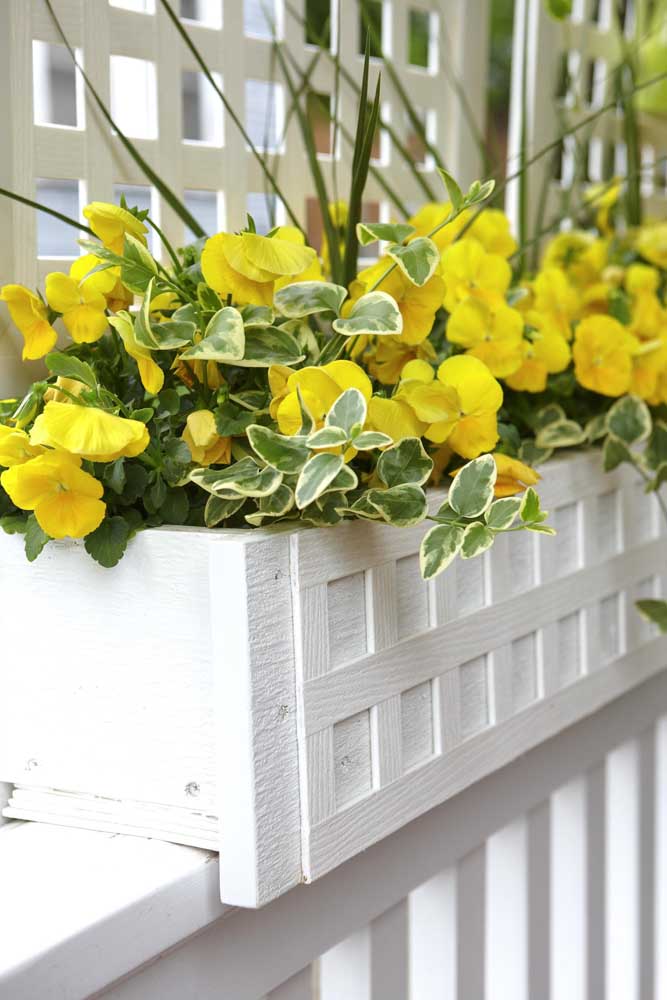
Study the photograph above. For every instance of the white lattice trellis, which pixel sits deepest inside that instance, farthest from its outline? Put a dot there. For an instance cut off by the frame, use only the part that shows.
(59, 150)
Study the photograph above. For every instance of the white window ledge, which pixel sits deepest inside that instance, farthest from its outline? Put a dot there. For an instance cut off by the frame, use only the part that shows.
(80, 909)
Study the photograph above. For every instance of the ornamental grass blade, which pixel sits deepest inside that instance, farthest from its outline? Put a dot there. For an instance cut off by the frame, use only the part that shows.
(172, 200)
(230, 111)
(44, 208)
(367, 121)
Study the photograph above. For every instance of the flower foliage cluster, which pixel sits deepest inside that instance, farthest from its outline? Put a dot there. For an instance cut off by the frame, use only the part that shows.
(240, 387)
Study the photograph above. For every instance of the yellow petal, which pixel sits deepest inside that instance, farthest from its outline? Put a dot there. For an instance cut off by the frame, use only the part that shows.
(89, 432)
(201, 425)
(111, 222)
(224, 279)
(393, 417)
(478, 390)
(69, 515)
(15, 447)
(418, 371)
(277, 256)
(29, 315)
(85, 324)
(474, 435)
(348, 375)
(62, 292)
(433, 402)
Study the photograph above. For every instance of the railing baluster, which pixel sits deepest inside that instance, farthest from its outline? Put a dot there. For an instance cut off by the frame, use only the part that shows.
(507, 919)
(389, 954)
(647, 864)
(538, 850)
(661, 859)
(568, 871)
(623, 950)
(432, 936)
(298, 987)
(596, 856)
(345, 969)
(471, 923)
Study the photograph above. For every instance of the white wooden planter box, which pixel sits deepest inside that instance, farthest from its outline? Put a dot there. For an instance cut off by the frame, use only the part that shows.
(290, 698)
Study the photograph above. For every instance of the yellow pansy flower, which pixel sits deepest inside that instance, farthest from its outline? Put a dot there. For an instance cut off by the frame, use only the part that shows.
(433, 214)
(417, 305)
(66, 500)
(545, 353)
(111, 222)
(15, 447)
(246, 266)
(30, 316)
(648, 370)
(150, 373)
(651, 243)
(392, 354)
(603, 351)
(492, 229)
(89, 432)
(603, 197)
(81, 299)
(320, 388)
(640, 278)
(312, 273)
(206, 446)
(467, 267)
(580, 255)
(394, 417)
(512, 477)
(71, 386)
(460, 407)
(554, 300)
(490, 330)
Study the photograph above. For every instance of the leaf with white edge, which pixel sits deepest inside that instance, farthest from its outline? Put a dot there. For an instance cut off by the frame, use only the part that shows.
(479, 192)
(530, 510)
(405, 462)
(257, 316)
(596, 427)
(551, 414)
(654, 611)
(138, 266)
(417, 260)
(270, 346)
(472, 490)
(560, 434)
(278, 503)
(371, 232)
(316, 475)
(307, 298)
(502, 513)
(142, 321)
(629, 419)
(223, 340)
(439, 548)
(375, 313)
(363, 508)
(368, 440)
(348, 412)
(107, 543)
(172, 334)
(543, 529)
(402, 505)
(67, 366)
(614, 453)
(453, 190)
(656, 449)
(477, 538)
(446, 512)
(532, 455)
(327, 437)
(244, 478)
(346, 480)
(307, 419)
(218, 510)
(286, 454)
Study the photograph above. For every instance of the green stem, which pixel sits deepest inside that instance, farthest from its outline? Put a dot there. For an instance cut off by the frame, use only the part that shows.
(49, 211)
(168, 247)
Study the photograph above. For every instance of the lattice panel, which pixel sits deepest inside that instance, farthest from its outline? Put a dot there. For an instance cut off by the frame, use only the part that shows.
(569, 75)
(405, 686)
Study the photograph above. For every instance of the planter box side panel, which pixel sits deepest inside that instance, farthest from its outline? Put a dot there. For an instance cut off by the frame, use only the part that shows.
(108, 675)
(409, 692)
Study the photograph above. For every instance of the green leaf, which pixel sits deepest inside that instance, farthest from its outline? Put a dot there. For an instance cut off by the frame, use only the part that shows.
(401, 506)
(479, 192)
(371, 232)
(453, 190)
(175, 507)
(614, 453)
(532, 455)
(439, 548)
(172, 334)
(502, 513)
(629, 419)
(245, 478)
(218, 510)
(530, 510)
(472, 490)
(656, 449)
(207, 298)
(270, 346)
(14, 524)
(551, 414)
(362, 508)
(107, 543)
(316, 475)
(405, 462)
(286, 454)
(67, 366)
(658, 480)
(231, 421)
(417, 260)
(596, 427)
(306, 298)
(368, 440)
(138, 266)
(654, 611)
(307, 419)
(374, 313)
(345, 480)
(258, 316)
(620, 306)
(348, 412)
(559, 9)
(327, 437)
(35, 538)
(560, 434)
(114, 475)
(224, 340)
(145, 414)
(477, 538)
(278, 503)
